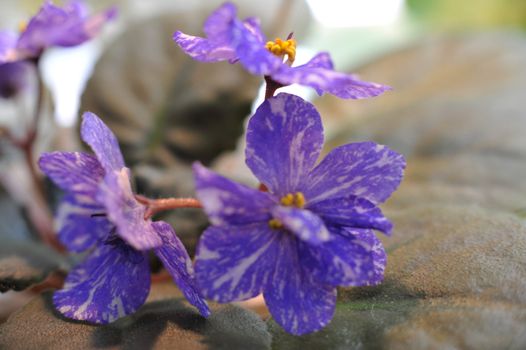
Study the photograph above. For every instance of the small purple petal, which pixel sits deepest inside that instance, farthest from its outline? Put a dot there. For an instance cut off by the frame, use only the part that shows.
(352, 211)
(319, 74)
(79, 223)
(303, 223)
(287, 75)
(92, 27)
(376, 248)
(379, 258)
(217, 25)
(126, 213)
(320, 60)
(61, 26)
(251, 50)
(363, 169)
(353, 257)
(227, 202)
(297, 302)
(216, 47)
(7, 44)
(202, 49)
(73, 171)
(235, 263)
(254, 27)
(102, 141)
(284, 139)
(176, 260)
(112, 282)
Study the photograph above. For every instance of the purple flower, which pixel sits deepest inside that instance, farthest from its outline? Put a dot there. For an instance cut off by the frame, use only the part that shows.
(312, 230)
(228, 38)
(100, 214)
(52, 26)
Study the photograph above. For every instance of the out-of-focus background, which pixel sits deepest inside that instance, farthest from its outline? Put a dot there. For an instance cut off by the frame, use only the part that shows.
(456, 274)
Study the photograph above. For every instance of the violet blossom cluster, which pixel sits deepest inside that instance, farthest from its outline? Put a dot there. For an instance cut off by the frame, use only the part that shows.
(309, 227)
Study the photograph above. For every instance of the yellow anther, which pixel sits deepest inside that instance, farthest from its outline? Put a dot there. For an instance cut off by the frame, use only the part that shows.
(22, 26)
(293, 200)
(275, 224)
(287, 200)
(276, 50)
(299, 199)
(281, 48)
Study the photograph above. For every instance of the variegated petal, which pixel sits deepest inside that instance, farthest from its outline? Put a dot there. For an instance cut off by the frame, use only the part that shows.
(112, 282)
(235, 263)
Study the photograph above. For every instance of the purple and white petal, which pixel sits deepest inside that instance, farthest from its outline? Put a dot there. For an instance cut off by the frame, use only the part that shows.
(365, 169)
(42, 29)
(217, 25)
(102, 141)
(251, 51)
(353, 257)
(296, 75)
(126, 212)
(61, 26)
(351, 86)
(379, 257)
(304, 224)
(202, 49)
(284, 140)
(229, 203)
(73, 171)
(112, 282)
(81, 222)
(74, 26)
(216, 46)
(297, 302)
(236, 262)
(253, 25)
(378, 253)
(91, 28)
(7, 46)
(175, 259)
(352, 211)
(319, 74)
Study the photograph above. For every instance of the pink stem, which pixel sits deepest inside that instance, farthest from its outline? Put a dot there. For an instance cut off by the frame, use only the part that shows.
(155, 206)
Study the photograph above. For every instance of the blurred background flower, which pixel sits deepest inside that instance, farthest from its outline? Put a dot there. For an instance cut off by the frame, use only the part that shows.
(355, 31)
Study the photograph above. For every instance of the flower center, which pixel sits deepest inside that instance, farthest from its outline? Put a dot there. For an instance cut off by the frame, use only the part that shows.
(289, 200)
(293, 200)
(281, 48)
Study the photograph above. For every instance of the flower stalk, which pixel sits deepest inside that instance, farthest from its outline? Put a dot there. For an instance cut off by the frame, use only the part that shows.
(155, 206)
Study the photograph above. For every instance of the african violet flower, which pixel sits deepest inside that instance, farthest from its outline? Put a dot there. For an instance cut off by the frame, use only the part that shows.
(228, 38)
(100, 214)
(52, 26)
(310, 232)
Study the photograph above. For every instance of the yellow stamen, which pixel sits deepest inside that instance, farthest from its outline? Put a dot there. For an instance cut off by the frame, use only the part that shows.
(293, 200)
(299, 200)
(287, 200)
(275, 224)
(282, 48)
